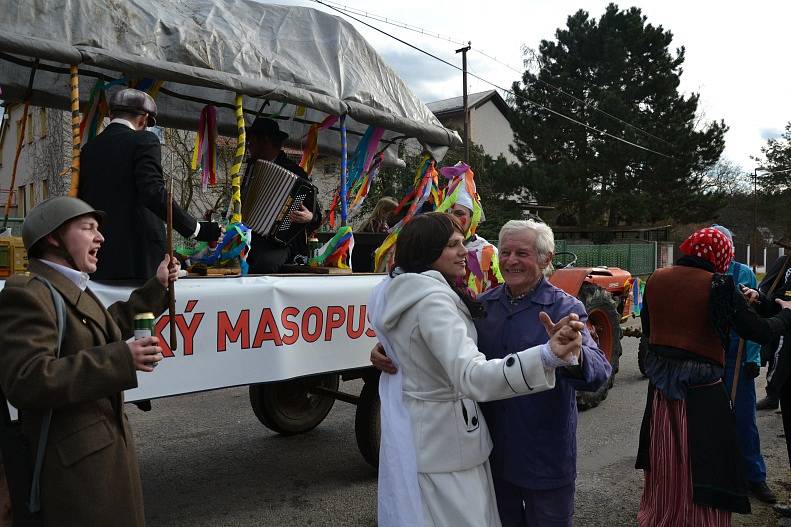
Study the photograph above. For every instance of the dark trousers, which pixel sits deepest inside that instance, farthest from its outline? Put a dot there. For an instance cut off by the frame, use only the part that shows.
(521, 507)
(785, 407)
(266, 256)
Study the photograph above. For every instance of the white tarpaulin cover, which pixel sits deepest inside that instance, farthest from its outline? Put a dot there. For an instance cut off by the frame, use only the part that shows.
(208, 50)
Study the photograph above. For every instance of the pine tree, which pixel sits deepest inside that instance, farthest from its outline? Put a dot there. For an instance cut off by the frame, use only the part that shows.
(623, 66)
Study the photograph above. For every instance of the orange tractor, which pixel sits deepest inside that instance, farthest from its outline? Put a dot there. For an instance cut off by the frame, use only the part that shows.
(603, 291)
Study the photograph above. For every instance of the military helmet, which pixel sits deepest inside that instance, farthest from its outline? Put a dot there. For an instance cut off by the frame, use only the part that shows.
(134, 101)
(48, 215)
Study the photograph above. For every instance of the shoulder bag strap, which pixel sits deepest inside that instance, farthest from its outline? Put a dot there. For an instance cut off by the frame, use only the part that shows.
(34, 503)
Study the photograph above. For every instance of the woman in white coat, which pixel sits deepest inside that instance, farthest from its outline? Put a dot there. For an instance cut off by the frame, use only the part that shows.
(433, 460)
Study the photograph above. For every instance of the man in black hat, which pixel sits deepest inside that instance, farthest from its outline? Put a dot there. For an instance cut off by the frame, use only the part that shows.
(121, 173)
(265, 141)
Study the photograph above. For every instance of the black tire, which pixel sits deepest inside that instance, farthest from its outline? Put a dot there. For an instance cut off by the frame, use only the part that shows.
(604, 323)
(288, 407)
(642, 349)
(367, 423)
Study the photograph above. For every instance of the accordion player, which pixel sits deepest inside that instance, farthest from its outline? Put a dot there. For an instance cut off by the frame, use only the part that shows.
(273, 200)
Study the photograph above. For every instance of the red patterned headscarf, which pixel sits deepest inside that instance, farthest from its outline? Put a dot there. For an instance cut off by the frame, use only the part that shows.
(711, 245)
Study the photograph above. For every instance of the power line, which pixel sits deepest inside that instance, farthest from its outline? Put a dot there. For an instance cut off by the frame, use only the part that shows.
(344, 9)
(534, 103)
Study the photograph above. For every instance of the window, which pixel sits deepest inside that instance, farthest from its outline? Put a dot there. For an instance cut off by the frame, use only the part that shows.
(20, 201)
(44, 190)
(31, 196)
(29, 128)
(42, 122)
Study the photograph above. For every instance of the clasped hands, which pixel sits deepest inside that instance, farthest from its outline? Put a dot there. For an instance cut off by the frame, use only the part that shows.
(565, 336)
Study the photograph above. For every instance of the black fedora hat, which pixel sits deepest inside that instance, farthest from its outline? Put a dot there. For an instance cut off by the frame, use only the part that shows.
(268, 128)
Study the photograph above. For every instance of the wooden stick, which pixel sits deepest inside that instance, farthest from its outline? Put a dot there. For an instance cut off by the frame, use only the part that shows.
(736, 370)
(172, 285)
(75, 131)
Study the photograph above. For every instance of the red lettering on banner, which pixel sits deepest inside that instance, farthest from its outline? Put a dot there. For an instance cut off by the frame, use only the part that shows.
(350, 329)
(161, 324)
(336, 316)
(267, 330)
(188, 330)
(371, 333)
(289, 325)
(226, 331)
(318, 314)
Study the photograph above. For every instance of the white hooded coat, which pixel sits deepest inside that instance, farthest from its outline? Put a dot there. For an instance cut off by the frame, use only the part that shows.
(426, 329)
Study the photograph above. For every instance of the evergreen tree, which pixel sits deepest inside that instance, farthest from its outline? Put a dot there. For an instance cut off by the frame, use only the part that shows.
(623, 66)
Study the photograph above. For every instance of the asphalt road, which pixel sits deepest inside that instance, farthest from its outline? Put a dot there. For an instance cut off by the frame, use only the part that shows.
(207, 461)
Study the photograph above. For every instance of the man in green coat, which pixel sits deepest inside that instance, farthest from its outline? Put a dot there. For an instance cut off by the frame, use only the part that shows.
(90, 471)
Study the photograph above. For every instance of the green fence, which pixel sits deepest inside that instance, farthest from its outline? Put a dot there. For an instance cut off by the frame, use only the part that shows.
(637, 258)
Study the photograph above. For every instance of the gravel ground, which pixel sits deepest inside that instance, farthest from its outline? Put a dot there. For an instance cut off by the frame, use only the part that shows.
(206, 460)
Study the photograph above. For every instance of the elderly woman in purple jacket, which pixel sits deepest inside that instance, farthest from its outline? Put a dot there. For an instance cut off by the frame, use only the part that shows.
(534, 460)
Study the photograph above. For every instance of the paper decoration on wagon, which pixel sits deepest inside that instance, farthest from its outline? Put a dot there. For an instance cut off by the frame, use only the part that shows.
(235, 244)
(205, 149)
(360, 191)
(461, 190)
(311, 149)
(359, 170)
(98, 109)
(337, 252)
(424, 191)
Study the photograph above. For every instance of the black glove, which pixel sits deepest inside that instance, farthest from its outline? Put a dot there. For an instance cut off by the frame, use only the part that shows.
(751, 370)
(209, 231)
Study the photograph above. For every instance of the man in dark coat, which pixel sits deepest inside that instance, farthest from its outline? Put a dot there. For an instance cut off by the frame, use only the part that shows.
(265, 141)
(90, 472)
(121, 173)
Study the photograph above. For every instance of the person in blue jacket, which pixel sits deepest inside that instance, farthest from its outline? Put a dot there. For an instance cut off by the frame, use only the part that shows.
(534, 460)
(744, 405)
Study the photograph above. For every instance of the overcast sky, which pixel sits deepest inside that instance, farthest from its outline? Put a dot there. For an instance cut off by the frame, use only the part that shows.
(737, 53)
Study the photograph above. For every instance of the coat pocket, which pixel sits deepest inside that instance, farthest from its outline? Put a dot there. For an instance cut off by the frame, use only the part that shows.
(84, 442)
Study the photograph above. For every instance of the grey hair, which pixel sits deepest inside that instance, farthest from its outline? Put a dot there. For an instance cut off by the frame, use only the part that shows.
(545, 238)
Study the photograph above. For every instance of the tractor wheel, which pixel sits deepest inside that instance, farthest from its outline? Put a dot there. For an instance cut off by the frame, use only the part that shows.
(604, 325)
(289, 407)
(367, 423)
(641, 352)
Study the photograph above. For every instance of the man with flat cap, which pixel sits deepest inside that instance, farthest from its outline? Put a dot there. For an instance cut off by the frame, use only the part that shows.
(121, 173)
(265, 141)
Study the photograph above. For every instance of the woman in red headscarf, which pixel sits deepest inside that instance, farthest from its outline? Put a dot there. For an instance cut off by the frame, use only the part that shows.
(688, 449)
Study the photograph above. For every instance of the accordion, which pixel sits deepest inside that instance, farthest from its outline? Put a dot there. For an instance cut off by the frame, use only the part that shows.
(272, 194)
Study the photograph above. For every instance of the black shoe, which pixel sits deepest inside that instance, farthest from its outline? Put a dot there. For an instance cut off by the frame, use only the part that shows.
(761, 491)
(768, 403)
(783, 510)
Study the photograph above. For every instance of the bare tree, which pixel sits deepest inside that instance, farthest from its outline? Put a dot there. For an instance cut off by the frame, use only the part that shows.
(51, 153)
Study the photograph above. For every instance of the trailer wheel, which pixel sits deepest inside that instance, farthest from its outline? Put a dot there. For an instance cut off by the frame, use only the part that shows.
(367, 423)
(289, 407)
(642, 349)
(604, 325)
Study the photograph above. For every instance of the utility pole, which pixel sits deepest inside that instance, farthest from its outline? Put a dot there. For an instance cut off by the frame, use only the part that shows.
(463, 52)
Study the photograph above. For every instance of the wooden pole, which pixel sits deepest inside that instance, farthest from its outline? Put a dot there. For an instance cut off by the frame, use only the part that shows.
(463, 52)
(172, 285)
(75, 131)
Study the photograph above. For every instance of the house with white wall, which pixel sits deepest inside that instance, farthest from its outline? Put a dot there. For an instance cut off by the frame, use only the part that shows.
(489, 120)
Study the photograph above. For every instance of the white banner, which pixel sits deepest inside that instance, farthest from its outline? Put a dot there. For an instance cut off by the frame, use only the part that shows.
(238, 331)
